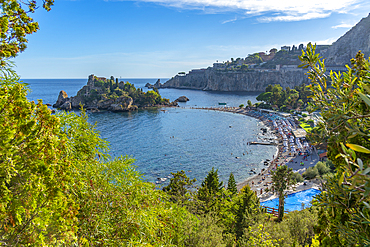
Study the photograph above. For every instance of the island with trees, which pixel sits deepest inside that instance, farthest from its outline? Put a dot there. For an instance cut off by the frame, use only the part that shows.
(109, 94)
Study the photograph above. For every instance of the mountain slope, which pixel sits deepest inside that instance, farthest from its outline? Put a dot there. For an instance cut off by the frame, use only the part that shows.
(346, 47)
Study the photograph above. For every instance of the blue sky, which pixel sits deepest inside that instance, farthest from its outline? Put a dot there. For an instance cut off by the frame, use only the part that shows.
(159, 38)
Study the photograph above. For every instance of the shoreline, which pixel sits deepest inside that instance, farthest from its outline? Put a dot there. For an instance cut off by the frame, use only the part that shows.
(261, 181)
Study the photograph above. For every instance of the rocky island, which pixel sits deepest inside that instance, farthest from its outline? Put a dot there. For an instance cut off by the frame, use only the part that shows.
(108, 94)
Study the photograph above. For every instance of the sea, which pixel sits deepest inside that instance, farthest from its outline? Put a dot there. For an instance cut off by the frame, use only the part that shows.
(166, 140)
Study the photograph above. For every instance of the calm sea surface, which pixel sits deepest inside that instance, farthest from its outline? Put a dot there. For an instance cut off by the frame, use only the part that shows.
(177, 138)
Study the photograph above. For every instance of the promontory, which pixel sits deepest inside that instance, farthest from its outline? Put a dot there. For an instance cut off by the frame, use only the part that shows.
(256, 71)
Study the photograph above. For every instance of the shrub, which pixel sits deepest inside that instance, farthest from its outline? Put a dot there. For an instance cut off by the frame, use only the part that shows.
(322, 168)
(310, 173)
(297, 177)
(202, 231)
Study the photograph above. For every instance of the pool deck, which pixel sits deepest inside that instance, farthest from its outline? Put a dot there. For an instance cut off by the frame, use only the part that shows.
(312, 184)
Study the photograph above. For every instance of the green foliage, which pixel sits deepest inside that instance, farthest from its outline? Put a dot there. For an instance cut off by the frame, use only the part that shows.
(296, 229)
(99, 83)
(322, 168)
(241, 105)
(282, 180)
(285, 99)
(297, 177)
(15, 24)
(260, 238)
(266, 97)
(36, 206)
(249, 103)
(345, 110)
(202, 232)
(311, 173)
(117, 207)
(178, 188)
(247, 212)
(305, 126)
(253, 59)
(231, 185)
(210, 191)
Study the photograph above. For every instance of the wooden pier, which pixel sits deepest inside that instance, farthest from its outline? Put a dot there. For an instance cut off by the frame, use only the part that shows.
(263, 143)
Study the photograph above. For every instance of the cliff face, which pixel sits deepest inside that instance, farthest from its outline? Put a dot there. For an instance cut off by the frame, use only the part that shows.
(211, 80)
(346, 47)
(338, 54)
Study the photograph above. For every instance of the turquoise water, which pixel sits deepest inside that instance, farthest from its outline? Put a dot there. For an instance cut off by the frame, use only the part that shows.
(295, 201)
(172, 139)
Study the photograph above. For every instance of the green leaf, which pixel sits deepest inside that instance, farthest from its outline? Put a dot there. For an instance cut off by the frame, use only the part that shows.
(341, 179)
(367, 170)
(360, 164)
(367, 88)
(365, 98)
(358, 148)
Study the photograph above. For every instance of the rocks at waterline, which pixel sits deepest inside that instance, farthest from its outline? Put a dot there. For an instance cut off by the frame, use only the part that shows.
(63, 102)
(157, 85)
(182, 99)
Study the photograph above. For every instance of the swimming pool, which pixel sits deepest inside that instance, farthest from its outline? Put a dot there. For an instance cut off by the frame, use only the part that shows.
(294, 201)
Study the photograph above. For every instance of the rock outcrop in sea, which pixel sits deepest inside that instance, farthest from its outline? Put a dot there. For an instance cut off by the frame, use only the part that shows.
(182, 99)
(158, 84)
(105, 94)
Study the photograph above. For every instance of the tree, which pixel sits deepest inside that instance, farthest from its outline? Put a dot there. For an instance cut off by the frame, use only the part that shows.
(277, 93)
(269, 88)
(249, 103)
(231, 185)
(15, 24)
(281, 181)
(179, 186)
(266, 97)
(241, 105)
(345, 109)
(210, 190)
(248, 210)
(37, 207)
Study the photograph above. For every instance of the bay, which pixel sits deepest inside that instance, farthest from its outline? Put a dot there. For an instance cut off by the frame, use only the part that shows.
(171, 139)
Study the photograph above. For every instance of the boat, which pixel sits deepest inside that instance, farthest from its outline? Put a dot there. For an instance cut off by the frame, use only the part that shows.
(221, 103)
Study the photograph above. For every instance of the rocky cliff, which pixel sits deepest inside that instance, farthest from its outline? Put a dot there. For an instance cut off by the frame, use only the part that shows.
(211, 80)
(346, 47)
(336, 55)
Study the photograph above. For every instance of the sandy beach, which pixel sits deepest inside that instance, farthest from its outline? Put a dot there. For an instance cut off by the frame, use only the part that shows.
(260, 182)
